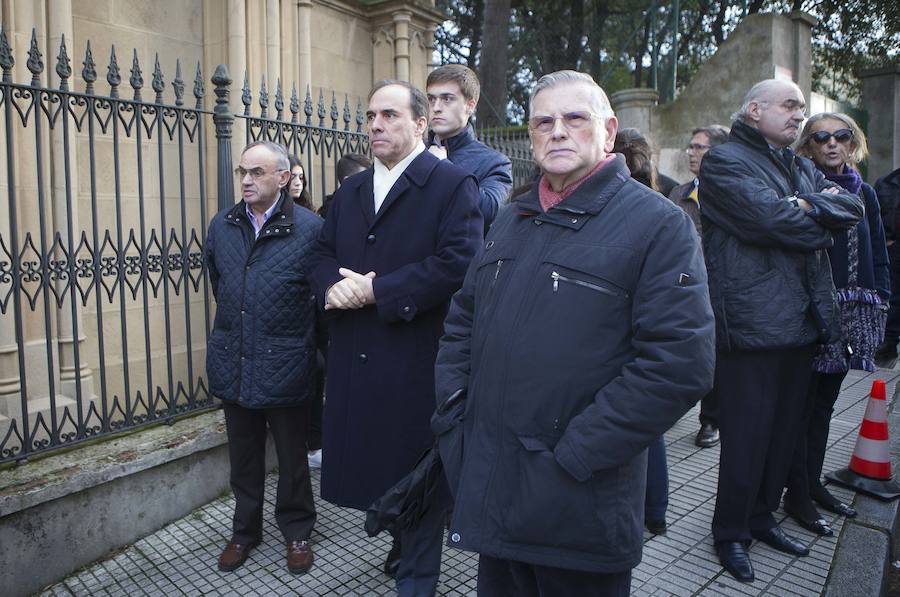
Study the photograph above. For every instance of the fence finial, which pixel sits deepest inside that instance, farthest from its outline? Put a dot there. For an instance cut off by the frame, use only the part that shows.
(63, 65)
(346, 113)
(334, 110)
(178, 84)
(89, 72)
(35, 62)
(199, 92)
(307, 105)
(136, 80)
(246, 98)
(112, 73)
(295, 104)
(7, 60)
(279, 100)
(359, 114)
(263, 99)
(320, 108)
(157, 83)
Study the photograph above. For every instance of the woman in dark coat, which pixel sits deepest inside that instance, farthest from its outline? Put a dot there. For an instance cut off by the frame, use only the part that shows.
(636, 149)
(859, 265)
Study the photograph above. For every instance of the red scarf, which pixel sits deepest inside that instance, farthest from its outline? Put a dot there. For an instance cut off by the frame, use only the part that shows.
(550, 198)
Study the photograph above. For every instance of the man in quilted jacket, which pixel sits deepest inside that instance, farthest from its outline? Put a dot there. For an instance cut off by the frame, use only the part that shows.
(261, 355)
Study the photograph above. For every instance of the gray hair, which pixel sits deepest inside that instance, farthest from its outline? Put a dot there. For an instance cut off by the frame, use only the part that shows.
(283, 162)
(599, 102)
(860, 151)
(418, 101)
(758, 94)
(716, 133)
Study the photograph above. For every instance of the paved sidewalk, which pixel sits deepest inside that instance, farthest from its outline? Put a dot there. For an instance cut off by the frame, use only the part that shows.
(180, 559)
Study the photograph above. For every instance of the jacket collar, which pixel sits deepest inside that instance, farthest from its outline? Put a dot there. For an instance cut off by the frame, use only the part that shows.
(589, 199)
(282, 218)
(746, 134)
(461, 139)
(416, 174)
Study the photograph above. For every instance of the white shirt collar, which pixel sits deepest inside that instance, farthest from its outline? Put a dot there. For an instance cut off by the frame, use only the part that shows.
(384, 179)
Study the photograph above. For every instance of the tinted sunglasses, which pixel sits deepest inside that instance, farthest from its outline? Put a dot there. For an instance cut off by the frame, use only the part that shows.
(840, 135)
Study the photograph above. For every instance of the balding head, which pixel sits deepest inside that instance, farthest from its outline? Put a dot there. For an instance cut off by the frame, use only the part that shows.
(775, 108)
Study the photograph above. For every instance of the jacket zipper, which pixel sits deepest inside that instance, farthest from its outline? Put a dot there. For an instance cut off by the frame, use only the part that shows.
(556, 276)
(496, 273)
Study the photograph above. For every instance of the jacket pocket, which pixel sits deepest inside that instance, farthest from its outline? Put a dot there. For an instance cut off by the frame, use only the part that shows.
(285, 369)
(222, 364)
(604, 288)
(547, 505)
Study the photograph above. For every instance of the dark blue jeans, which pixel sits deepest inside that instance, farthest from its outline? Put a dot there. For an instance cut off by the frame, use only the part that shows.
(657, 498)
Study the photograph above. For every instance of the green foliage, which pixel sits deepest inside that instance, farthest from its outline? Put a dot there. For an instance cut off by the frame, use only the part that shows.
(616, 40)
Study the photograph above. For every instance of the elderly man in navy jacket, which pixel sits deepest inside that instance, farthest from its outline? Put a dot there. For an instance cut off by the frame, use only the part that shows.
(582, 332)
(453, 91)
(394, 248)
(261, 355)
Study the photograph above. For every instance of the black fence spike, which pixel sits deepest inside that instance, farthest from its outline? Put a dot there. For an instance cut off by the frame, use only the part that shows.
(89, 72)
(295, 104)
(178, 84)
(334, 111)
(35, 62)
(320, 108)
(7, 60)
(279, 100)
(157, 83)
(359, 114)
(113, 77)
(346, 112)
(199, 92)
(137, 77)
(263, 99)
(63, 65)
(246, 97)
(307, 105)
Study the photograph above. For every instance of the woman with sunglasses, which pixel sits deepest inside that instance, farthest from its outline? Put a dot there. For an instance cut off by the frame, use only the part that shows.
(859, 267)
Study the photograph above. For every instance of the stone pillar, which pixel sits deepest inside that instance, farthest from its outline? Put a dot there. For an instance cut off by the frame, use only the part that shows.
(635, 107)
(236, 60)
(401, 44)
(74, 375)
(881, 100)
(273, 45)
(305, 45)
(801, 50)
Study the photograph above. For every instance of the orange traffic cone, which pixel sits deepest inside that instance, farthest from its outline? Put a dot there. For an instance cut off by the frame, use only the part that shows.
(870, 465)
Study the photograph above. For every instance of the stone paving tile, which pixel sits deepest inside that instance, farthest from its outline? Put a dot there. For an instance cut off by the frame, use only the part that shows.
(180, 559)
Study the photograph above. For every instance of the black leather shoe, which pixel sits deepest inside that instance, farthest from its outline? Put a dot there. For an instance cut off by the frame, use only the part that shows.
(809, 519)
(735, 559)
(657, 527)
(777, 539)
(838, 508)
(392, 561)
(708, 436)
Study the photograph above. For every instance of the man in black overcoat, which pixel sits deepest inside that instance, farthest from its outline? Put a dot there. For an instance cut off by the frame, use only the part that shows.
(395, 246)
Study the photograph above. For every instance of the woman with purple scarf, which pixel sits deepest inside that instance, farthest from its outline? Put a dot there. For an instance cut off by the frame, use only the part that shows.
(859, 267)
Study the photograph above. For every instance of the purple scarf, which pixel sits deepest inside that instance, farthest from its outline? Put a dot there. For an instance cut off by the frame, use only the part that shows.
(849, 179)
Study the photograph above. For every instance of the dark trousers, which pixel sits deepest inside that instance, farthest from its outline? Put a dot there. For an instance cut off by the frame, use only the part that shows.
(316, 408)
(764, 395)
(295, 510)
(420, 549)
(657, 499)
(892, 329)
(709, 408)
(805, 478)
(508, 578)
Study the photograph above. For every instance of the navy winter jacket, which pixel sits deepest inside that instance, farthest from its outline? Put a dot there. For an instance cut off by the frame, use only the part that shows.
(581, 334)
(262, 350)
(491, 169)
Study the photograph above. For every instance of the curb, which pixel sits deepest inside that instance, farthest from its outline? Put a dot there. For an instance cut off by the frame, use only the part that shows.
(862, 559)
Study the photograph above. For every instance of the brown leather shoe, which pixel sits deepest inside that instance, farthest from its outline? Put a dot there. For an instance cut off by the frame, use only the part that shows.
(234, 555)
(299, 557)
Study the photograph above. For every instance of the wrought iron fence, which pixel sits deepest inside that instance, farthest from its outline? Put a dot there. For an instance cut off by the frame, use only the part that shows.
(514, 143)
(104, 298)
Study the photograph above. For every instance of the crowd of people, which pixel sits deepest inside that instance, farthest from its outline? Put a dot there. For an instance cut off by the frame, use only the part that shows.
(576, 319)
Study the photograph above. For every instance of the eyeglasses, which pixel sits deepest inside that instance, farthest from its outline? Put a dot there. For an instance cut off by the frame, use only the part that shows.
(253, 172)
(696, 148)
(840, 135)
(572, 121)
